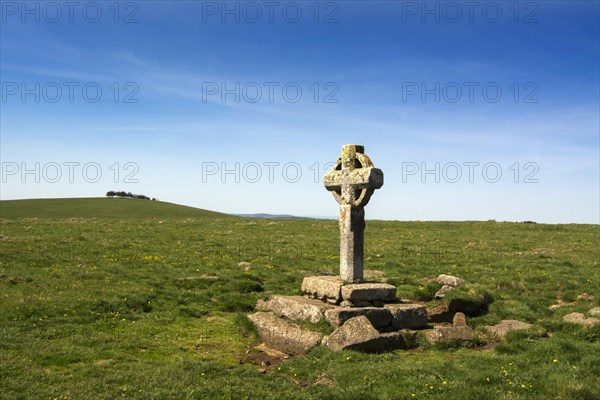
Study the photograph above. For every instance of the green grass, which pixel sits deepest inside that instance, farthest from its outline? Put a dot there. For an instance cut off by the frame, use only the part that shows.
(147, 304)
(100, 207)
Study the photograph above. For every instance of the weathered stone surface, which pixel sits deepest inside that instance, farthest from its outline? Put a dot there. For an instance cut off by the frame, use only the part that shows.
(356, 334)
(352, 242)
(458, 331)
(297, 307)
(323, 287)
(449, 280)
(283, 335)
(448, 333)
(507, 325)
(369, 292)
(580, 318)
(595, 312)
(369, 342)
(443, 290)
(459, 319)
(379, 317)
(586, 297)
(407, 316)
(352, 181)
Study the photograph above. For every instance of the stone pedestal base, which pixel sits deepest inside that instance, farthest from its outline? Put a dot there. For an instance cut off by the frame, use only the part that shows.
(364, 316)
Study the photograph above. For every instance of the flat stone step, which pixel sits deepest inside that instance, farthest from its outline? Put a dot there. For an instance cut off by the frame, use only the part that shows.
(323, 287)
(297, 307)
(369, 292)
(283, 335)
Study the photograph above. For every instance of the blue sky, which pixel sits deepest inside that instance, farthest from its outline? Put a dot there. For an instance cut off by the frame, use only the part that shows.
(435, 92)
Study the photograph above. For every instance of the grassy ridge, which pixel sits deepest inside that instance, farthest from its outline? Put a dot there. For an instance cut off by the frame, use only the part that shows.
(152, 308)
(99, 208)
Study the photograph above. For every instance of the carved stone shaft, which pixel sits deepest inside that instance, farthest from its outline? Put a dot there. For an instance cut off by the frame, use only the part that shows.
(352, 241)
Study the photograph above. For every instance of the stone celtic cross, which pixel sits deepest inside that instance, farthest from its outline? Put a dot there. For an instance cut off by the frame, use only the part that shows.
(352, 182)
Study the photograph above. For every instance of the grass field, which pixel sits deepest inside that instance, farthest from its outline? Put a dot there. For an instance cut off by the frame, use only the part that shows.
(123, 298)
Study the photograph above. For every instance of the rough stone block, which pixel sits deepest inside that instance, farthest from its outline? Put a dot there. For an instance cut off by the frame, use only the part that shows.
(379, 317)
(507, 325)
(449, 280)
(369, 292)
(297, 307)
(407, 316)
(323, 287)
(356, 334)
(459, 319)
(283, 335)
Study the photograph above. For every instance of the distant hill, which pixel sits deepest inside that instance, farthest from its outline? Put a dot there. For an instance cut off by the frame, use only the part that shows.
(100, 208)
(263, 215)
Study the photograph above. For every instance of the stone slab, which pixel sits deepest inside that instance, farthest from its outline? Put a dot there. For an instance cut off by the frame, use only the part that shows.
(580, 319)
(407, 316)
(448, 333)
(369, 292)
(283, 335)
(507, 325)
(323, 287)
(297, 307)
(379, 317)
